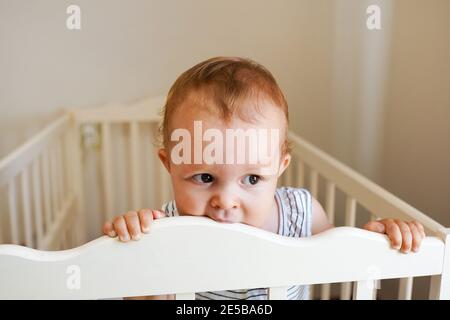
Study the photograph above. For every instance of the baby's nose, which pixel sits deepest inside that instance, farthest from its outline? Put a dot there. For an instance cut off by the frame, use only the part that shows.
(224, 202)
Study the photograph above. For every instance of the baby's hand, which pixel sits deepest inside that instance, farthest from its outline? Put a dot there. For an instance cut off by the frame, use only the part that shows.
(404, 235)
(131, 224)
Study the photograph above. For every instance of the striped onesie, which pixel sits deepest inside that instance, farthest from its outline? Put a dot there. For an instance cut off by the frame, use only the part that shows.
(295, 221)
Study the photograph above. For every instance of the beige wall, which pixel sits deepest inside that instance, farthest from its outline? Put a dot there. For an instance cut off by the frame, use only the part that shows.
(127, 50)
(416, 153)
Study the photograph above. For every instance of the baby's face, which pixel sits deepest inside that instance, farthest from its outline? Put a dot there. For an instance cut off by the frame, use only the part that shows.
(227, 192)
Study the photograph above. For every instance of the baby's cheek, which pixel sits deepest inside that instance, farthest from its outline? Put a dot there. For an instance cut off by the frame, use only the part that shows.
(191, 204)
(259, 211)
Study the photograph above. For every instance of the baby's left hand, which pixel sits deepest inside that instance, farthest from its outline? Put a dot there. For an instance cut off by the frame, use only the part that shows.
(404, 235)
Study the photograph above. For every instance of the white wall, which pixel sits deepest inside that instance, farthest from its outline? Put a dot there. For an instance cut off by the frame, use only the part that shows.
(126, 50)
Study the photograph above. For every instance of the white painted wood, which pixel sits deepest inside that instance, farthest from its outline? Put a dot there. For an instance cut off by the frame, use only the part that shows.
(14, 227)
(185, 296)
(405, 288)
(329, 209)
(346, 290)
(440, 284)
(136, 191)
(144, 110)
(13, 164)
(314, 183)
(364, 290)
(206, 248)
(37, 201)
(26, 201)
(367, 193)
(278, 293)
(54, 234)
(350, 220)
(350, 211)
(60, 171)
(107, 172)
(314, 190)
(53, 184)
(330, 195)
(46, 190)
(76, 164)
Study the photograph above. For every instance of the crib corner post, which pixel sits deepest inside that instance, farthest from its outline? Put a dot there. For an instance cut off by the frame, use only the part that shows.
(81, 229)
(440, 284)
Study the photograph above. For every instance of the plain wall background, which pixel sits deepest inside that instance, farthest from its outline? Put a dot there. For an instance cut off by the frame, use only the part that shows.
(376, 100)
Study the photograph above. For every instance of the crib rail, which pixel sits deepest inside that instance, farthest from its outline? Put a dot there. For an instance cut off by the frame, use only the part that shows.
(309, 164)
(42, 182)
(184, 255)
(132, 118)
(43, 192)
(377, 200)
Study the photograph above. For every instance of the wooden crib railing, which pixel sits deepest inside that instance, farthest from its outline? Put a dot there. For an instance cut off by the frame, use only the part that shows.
(42, 185)
(40, 188)
(184, 255)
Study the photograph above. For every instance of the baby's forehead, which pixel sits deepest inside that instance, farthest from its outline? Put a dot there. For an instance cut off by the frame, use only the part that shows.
(263, 116)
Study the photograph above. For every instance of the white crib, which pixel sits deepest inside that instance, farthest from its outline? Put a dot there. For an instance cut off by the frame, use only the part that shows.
(45, 216)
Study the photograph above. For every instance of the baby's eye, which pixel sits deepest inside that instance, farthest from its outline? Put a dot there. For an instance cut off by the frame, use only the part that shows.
(252, 179)
(203, 178)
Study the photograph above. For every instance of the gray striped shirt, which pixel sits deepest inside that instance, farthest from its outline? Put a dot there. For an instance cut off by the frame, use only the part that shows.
(295, 221)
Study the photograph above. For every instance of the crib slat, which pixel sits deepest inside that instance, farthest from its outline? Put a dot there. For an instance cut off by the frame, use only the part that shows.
(405, 288)
(314, 189)
(364, 290)
(61, 173)
(107, 170)
(185, 296)
(329, 208)
(26, 208)
(66, 166)
(350, 211)
(76, 183)
(53, 184)
(13, 211)
(135, 166)
(278, 293)
(37, 204)
(314, 183)
(350, 220)
(440, 283)
(300, 173)
(330, 196)
(46, 190)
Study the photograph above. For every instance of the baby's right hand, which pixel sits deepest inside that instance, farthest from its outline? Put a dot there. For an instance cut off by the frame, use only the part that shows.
(132, 224)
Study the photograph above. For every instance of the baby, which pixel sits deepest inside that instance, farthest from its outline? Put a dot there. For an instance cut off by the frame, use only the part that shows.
(219, 96)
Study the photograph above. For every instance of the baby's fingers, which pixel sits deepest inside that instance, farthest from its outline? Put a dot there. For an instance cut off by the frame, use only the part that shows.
(133, 224)
(406, 236)
(146, 218)
(420, 227)
(108, 229)
(158, 214)
(393, 232)
(120, 227)
(416, 236)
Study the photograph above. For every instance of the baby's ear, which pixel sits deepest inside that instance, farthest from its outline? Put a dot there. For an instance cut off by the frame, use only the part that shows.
(285, 161)
(163, 156)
